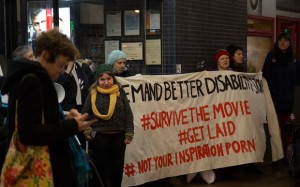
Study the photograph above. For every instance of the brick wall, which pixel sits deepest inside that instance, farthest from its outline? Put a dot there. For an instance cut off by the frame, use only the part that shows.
(195, 29)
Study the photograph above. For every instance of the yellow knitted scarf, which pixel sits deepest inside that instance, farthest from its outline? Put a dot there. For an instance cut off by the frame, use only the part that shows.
(114, 92)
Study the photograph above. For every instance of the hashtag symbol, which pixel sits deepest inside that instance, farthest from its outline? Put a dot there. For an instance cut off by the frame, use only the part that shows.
(129, 170)
(145, 121)
(182, 135)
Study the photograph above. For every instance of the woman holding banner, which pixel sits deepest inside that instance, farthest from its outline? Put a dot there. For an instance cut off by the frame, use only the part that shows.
(221, 60)
(236, 58)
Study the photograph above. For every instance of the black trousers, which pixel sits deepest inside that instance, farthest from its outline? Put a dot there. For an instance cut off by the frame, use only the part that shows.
(108, 152)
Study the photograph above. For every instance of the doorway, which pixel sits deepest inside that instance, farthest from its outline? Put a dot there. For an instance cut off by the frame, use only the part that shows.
(291, 26)
(259, 41)
(257, 50)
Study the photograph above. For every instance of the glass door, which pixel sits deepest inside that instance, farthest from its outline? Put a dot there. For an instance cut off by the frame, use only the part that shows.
(259, 41)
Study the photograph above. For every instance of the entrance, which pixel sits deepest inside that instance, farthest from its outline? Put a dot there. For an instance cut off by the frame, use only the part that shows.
(291, 26)
(259, 41)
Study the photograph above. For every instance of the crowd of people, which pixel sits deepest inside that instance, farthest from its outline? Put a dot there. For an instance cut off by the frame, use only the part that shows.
(95, 107)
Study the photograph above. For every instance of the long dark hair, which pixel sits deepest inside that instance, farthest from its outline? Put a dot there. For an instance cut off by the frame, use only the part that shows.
(289, 50)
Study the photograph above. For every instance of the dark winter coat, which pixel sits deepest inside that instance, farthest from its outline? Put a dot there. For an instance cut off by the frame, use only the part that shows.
(282, 73)
(29, 83)
(237, 67)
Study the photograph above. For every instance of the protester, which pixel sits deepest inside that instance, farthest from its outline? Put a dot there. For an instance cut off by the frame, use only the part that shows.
(282, 72)
(30, 87)
(117, 59)
(236, 58)
(76, 80)
(221, 60)
(114, 129)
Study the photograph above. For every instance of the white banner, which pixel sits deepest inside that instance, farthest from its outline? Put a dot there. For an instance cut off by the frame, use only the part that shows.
(187, 123)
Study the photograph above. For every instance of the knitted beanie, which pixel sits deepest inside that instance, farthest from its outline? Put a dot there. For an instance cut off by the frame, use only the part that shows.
(114, 56)
(102, 68)
(220, 53)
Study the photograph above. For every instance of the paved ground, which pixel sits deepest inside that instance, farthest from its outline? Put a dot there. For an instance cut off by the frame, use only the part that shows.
(271, 177)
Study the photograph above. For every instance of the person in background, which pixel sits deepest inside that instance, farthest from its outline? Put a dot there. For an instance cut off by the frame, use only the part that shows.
(30, 86)
(114, 129)
(117, 59)
(282, 72)
(76, 80)
(23, 51)
(221, 60)
(236, 58)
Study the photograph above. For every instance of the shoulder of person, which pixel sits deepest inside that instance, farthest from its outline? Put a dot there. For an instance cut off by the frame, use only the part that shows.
(30, 80)
(270, 54)
(121, 89)
(86, 68)
(122, 92)
(30, 77)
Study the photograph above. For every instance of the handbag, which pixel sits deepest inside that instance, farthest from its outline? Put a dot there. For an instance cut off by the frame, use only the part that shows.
(26, 165)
